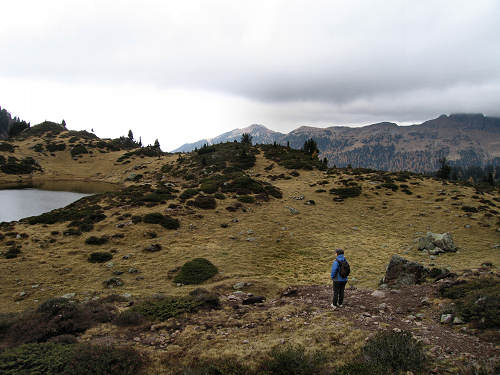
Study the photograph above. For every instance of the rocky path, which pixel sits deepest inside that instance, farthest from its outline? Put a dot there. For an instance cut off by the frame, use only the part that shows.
(411, 309)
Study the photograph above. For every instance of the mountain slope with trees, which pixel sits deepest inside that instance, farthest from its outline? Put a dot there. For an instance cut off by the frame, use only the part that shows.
(465, 140)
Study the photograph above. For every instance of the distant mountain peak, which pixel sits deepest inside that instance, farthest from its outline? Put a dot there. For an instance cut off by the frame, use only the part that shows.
(464, 138)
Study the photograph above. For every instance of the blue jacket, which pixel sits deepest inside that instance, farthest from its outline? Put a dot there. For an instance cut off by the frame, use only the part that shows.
(335, 274)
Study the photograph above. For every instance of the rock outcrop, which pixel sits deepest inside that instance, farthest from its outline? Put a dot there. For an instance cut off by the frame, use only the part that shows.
(401, 271)
(437, 243)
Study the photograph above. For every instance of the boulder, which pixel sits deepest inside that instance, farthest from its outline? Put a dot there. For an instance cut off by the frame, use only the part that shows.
(437, 243)
(401, 271)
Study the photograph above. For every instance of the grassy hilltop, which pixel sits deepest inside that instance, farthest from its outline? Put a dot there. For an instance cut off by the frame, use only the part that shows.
(267, 217)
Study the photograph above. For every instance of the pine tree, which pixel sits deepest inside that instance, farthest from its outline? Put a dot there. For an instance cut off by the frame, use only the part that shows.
(246, 138)
(130, 135)
(157, 144)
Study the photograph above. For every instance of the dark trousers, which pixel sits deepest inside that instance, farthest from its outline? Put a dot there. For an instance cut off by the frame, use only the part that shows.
(338, 292)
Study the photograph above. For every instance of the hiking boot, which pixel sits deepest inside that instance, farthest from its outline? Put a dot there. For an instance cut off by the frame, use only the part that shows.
(333, 306)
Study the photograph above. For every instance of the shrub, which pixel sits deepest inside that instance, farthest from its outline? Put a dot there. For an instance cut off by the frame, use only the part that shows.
(25, 166)
(12, 252)
(292, 360)
(46, 359)
(52, 147)
(100, 257)
(397, 351)
(136, 219)
(56, 317)
(188, 193)
(196, 271)
(163, 220)
(103, 360)
(128, 318)
(79, 150)
(166, 307)
(209, 187)
(390, 185)
(4, 146)
(346, 192)
(92, 240)
(246, 199)
(206, 203)
(470, 209)
(220, 196)
(477, 301)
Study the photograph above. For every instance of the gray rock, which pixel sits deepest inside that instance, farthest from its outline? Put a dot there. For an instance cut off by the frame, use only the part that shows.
(110, 264)
(69, 295)
(293, 211)
(446, 318)
(378, 294)
(442, 241)
(239, 285)
(113, 282)
(458, 320)
(133, 270)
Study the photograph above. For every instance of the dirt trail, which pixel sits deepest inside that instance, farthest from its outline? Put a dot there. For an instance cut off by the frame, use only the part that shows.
(397, 310)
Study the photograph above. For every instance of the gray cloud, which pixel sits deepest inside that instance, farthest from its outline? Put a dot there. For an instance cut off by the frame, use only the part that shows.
(317, 61)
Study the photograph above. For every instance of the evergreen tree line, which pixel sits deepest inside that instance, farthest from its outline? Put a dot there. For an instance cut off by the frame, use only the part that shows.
(490, 174)
(11, 126)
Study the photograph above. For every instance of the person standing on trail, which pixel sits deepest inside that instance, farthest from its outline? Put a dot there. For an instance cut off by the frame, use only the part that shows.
(339, 274)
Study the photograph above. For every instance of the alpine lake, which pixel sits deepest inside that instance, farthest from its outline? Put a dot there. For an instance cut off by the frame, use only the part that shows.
(17, 202)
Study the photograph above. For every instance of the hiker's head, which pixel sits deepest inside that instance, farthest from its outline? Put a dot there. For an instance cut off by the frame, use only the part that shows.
(339, 251)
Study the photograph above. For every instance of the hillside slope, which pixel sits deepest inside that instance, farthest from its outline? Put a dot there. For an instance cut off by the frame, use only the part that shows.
(267, 217)
(465, 139)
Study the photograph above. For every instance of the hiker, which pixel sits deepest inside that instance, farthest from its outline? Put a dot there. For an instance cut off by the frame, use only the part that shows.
(339, 274)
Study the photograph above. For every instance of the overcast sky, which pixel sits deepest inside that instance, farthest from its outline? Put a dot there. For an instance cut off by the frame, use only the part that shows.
(185, 70)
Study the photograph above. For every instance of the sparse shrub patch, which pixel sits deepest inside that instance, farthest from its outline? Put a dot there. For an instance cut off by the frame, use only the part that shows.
(128, 318)
(205, 202)
(167, 307)
(188, 193)
(100, 257)
(79, 150)
(196, 271)
(93, 240)
(292, 360)
(476, 301)
(397, 351)
(347, 192)
(12, 252)
(163, 220)
(246, 199)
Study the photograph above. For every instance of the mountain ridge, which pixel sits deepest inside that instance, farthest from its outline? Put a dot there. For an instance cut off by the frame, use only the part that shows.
(464, 139)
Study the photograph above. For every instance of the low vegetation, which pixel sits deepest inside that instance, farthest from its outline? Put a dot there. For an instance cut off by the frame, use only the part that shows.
(165, 221)
(476, 301)
(196, 271)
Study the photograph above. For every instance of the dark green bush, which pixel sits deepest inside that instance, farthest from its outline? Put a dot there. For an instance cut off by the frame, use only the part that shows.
(53, 147)
(209, 187)
(31, 359)
(81, 211)
(188, 193)
(79, 150)
(12, 252)
(56, 317)
(104, 360)
(346, 192)
(477, 301)
(136, 219)
(397, 351)
(470, 209)
(163, 220)
(292, 360)
(6, 147)
(196, 271)
(219, 196)
(100, 257)
(390, 185)
(246, 199)
(93, 240)
(25, 166)
(206, 203)
(166, 307)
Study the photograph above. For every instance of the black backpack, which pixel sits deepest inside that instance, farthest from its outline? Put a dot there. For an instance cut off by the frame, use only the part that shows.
(344, 268)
